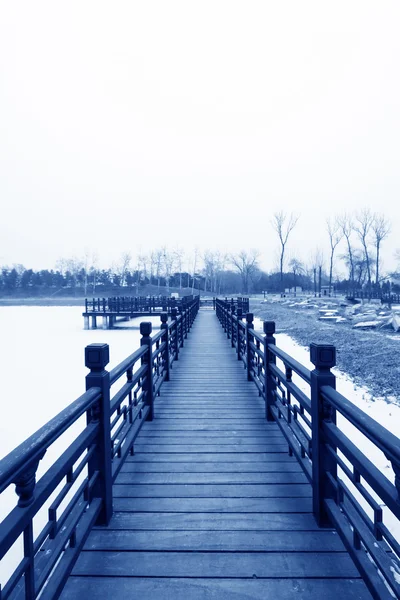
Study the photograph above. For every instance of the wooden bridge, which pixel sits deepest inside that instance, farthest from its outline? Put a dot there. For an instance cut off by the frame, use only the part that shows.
(199, 497)
(124, 308)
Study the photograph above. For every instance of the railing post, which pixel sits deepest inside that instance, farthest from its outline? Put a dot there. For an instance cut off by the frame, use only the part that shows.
(145, 331)
(323, 357)
(249, 338)
(97, 356)
(165, 338)
(269, 358)
(174, 315)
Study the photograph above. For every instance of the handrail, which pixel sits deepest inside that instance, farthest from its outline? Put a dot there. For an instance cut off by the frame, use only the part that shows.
(33, 447)
(83, 473)
(126, 364)
(374, 431)
(348, 493)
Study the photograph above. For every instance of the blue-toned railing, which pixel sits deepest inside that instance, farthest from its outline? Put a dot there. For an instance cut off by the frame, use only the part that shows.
(76, 488)
(349, 491)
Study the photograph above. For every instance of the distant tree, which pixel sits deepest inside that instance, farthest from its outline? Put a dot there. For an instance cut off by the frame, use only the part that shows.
(283, 225)
(297, 268)
(335, 233)
(125, 261)
(168, 263)
(317, 263)
(26, 279)
(362, 226)
(381, 228)
(347, 226)
(179, 257)
(246, 264)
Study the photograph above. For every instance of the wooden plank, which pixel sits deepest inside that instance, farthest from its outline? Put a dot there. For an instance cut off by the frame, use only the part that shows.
(209, 437)
(212, 505)
(214, 521)
(219, 541)
(216, 564)
(161, 588)
(211, 478)
(212, 448)
(210, 426)
(202, 457)
(210, 467)
(213, 491)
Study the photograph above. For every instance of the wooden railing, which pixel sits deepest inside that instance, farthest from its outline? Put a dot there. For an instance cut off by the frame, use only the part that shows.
(76, 487)
(385, 298)
(133, 304)
(349, 491)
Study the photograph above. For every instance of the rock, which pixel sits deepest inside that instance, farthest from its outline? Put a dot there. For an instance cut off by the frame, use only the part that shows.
(366, 325)
(396, 321)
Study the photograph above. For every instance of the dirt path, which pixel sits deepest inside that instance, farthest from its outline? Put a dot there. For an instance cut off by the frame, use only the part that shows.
(370, 357)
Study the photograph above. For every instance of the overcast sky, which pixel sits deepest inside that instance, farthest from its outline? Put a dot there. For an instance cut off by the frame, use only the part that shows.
(127, 125)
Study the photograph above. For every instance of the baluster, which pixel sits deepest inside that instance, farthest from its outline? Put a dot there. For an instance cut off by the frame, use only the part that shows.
(97, 357)
(174, 315)
(145, 331)
(165, 338)
(238, 330)
(323, 357)
(249, 351)
(269, 358)
(233, 327)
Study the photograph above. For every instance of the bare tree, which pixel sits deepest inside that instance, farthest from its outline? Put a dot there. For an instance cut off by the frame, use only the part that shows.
(157, 260)
(317, 263)
(246, 264)
(125, 261)
(195, 262)
(335, 233)
(179, 256)
(168, 259)
(381, 228)
(283, 225)
(74, 265)
(297, 268)
(210, 260)
(362, 226)
(347, 226)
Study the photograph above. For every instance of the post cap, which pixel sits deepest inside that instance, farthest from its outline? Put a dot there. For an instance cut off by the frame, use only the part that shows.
(249, 317)
(97, 356)
(239, 311)
(323, 356)
(146, 328)
(269, 327)
(164, 317)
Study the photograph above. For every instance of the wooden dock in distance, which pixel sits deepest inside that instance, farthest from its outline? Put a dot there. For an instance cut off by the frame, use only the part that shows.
(211, 505)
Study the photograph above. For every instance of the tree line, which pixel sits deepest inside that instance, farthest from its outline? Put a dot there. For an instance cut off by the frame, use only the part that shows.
(356, 239)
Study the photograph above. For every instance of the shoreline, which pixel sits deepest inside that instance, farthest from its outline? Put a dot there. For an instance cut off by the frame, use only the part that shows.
(62, 301)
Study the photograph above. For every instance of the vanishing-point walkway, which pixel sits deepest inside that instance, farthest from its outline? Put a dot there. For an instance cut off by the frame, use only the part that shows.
(211, 505)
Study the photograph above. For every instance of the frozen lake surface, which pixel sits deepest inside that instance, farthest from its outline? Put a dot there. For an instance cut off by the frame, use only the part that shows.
(42, 364)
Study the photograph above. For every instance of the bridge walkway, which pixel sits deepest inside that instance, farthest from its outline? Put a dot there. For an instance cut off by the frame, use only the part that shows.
(211, 505)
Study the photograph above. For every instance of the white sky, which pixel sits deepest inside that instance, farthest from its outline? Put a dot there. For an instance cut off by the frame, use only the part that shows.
(126, 125)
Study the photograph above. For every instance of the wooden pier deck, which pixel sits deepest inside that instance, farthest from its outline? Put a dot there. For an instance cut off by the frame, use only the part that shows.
(211, 505)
